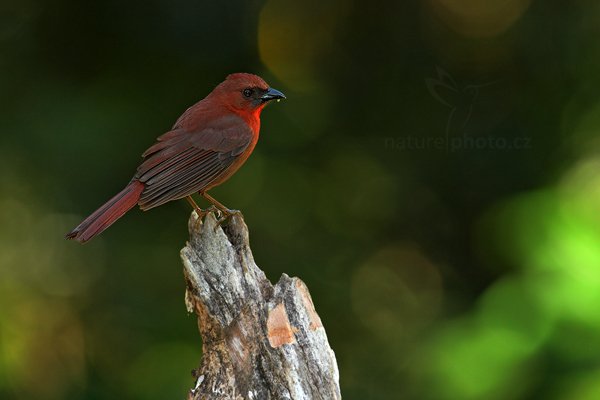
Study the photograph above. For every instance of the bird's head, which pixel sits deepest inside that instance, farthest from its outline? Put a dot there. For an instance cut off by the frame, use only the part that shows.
(246, 93)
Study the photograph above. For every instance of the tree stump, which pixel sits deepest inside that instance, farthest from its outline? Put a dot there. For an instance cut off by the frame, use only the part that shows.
(259, 341)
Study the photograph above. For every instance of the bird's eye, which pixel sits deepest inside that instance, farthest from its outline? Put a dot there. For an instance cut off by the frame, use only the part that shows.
(247, 92)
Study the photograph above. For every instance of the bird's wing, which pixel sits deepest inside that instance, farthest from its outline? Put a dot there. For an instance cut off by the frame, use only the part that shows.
(181, 163)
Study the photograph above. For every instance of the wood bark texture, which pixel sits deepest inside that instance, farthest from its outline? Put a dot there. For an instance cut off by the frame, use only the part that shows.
(259, 341)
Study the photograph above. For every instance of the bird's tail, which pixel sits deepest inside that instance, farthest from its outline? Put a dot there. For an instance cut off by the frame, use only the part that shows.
(106, 215)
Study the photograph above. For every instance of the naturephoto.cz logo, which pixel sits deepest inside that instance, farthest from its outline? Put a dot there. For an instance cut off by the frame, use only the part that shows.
(457, 143)
(460, 102)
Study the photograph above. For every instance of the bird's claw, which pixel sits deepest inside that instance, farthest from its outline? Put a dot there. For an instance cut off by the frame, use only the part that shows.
(202, 213)
(210, 209)
(224, 215)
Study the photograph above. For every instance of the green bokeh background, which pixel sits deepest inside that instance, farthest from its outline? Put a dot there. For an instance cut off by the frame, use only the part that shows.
(434, 178)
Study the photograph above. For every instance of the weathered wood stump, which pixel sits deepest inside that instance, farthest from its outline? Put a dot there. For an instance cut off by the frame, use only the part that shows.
(259, 341)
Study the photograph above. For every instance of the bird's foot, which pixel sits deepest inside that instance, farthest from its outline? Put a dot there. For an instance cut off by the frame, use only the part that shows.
(224, 215)
(199, 212)
(203, 213)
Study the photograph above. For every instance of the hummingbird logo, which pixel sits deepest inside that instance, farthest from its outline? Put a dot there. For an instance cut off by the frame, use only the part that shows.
(460, 100)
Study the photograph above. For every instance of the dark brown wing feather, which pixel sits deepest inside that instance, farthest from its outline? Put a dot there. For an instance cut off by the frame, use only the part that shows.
(182, 163)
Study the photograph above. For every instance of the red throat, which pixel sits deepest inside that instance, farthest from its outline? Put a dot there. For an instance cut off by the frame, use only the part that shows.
(252, 118)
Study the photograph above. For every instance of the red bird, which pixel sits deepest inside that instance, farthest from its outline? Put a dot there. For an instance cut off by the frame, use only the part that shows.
(207, 144)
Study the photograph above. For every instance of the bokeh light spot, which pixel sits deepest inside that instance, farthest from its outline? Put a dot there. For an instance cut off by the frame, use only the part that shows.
(478, 362)
(475, 18)
(358, 187)
(396, 293)
(294, 37)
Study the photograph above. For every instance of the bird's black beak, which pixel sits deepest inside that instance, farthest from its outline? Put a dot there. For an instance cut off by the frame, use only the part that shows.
(272, 94)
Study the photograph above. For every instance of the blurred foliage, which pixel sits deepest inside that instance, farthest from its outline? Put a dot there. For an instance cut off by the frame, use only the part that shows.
(434, 178)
